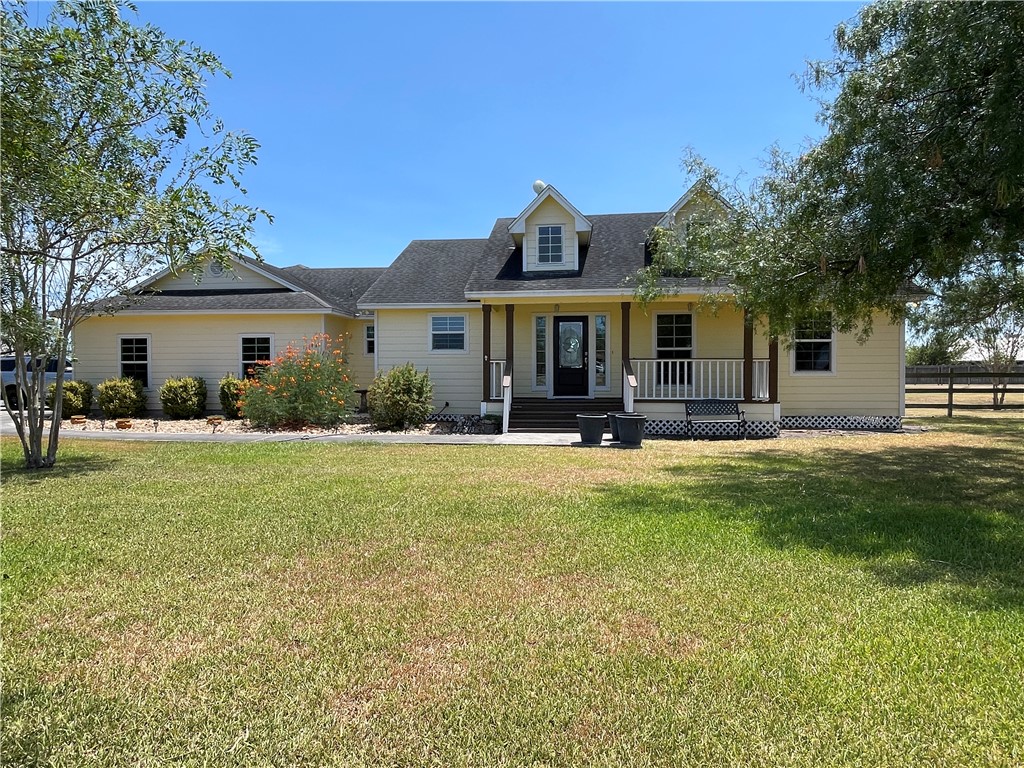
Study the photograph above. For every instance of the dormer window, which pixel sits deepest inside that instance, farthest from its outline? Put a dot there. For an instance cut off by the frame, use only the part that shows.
(549, 244)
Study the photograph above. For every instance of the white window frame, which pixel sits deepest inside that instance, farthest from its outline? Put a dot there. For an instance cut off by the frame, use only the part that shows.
(534, 386)
(607, 352)
(561, 252)
(693, 334)
(254, 335)
(370, 337)
(465, 334)
(149, 356)
(832, 371)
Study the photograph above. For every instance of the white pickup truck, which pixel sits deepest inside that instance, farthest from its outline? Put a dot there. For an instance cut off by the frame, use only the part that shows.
(10, 385)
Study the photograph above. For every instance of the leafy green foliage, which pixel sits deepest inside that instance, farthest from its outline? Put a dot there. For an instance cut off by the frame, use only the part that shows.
(942, 347)
(111, 161)
(230, 391)
(919, 178)
(120, 398)
(400, 398)
(184, 398)
(77, 397)
(301, 387)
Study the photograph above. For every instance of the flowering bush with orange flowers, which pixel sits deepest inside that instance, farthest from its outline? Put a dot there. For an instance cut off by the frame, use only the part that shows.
(303, 386)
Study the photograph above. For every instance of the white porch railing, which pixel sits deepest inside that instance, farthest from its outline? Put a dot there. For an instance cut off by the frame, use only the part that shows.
(497, 368)
(760, 389)
(506, 397)
(629, 385)
(697, 379)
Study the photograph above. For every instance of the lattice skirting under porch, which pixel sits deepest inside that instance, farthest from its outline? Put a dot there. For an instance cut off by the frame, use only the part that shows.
(709, 429)
(842, 422)
(438, 417)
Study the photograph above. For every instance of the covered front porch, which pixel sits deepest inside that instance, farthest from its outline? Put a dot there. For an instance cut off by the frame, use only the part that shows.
(540, 355)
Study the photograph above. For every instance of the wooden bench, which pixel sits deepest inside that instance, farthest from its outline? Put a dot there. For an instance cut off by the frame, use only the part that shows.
(715, 410)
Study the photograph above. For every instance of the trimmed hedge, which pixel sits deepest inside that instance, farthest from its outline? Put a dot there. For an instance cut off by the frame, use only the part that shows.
(184, 398)
(120, 398)
(230, 392)
(77, 397)
(400, 398)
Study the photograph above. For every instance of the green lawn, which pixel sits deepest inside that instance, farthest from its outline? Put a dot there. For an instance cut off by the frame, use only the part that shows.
(840, 601)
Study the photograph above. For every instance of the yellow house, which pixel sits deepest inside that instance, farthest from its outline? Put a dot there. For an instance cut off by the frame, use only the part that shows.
(174, 326)
(534, 323)
(538, 322)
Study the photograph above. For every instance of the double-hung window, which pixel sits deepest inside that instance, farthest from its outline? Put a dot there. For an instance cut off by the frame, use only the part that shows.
(256, 353)
(135, 358)
(448, 333)
(549, 244)
(369, 339)
(674, 341)
(814, 345)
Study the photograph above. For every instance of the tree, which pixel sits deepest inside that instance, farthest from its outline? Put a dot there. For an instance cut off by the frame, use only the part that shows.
(996, 339)
(101, 185)
(940, 347)
(919, 179)
(999, 341)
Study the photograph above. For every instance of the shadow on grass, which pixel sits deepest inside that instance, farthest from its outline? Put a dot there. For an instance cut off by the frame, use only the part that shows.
(912, 515)
(1000, 427)
(68, 465)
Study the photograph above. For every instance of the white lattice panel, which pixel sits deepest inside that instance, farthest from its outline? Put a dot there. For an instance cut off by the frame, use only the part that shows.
(842, 422)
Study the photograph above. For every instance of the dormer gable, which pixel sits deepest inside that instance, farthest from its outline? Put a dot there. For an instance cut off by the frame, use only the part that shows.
(239, 274)
(699, 198)
(550, 232)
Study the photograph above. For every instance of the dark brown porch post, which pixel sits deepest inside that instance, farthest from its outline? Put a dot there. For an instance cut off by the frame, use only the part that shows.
(625, 330)
(487, 352)
(510, 310)
(773, 370)
(748, 356)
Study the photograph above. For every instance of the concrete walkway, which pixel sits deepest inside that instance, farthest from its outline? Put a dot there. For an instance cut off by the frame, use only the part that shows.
(515, 438)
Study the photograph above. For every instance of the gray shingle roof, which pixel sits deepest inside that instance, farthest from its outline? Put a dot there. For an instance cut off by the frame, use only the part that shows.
(315, 290)
(213, 301)
(616, 251)
(427, 272)
(342, 287)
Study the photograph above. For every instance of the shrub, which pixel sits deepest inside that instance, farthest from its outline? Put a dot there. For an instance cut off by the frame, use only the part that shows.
(121, 397)
(231, 391)
(307, 387)
(400, 398)
(77, 397)
(184, 398)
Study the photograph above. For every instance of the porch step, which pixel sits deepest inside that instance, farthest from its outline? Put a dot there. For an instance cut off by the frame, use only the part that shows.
(541, 415)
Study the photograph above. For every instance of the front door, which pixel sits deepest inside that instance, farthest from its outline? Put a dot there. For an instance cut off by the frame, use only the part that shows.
(572, 372)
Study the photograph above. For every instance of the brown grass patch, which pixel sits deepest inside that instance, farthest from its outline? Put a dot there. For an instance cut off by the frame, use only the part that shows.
(632, 632)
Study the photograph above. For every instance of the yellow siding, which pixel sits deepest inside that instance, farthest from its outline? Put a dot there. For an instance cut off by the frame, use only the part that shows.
(866, 381)
(403, 336)
(715, 335)
(187, 345)
(550, 212)
(360, 365)
(241, 277)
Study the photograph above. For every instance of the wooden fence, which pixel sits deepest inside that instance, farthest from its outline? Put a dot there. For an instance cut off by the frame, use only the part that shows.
(953, 382)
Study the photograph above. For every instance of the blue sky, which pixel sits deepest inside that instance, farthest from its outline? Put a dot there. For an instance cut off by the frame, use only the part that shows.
(381, 123)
